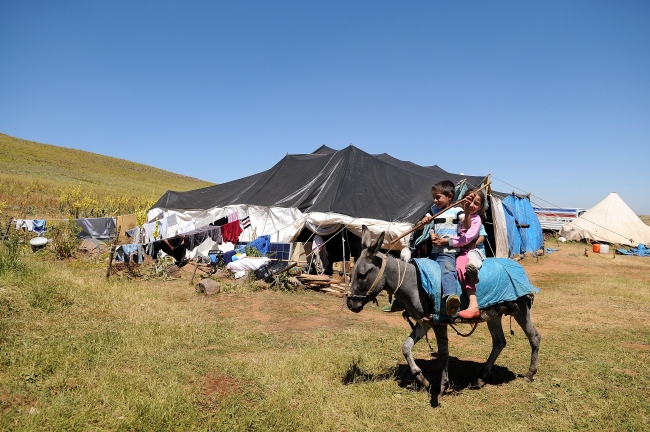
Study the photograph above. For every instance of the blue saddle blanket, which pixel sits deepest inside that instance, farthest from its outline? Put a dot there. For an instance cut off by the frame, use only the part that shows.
(502, 280)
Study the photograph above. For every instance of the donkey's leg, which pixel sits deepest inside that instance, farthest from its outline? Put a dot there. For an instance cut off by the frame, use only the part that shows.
(418, 333)
(498, 344)
(522, 316)
(443, 355)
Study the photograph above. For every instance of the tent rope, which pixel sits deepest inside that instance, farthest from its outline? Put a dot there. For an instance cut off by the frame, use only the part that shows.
(548, 202)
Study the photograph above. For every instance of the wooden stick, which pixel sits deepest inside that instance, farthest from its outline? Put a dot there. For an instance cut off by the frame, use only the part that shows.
(194, 272)
(110, 258)
(8, 226)
(418, 226)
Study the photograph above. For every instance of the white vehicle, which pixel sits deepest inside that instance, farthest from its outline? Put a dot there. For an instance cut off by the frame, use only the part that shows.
(552, 219)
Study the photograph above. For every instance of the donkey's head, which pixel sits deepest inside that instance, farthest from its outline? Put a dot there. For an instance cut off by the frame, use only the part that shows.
(368, 273)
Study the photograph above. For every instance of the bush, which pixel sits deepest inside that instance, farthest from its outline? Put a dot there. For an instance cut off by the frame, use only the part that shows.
(10, 250)
(64, 238)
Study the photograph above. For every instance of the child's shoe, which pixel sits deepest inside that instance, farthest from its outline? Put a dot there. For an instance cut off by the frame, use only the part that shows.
(469, 315)
(453, 303)
(471, 274)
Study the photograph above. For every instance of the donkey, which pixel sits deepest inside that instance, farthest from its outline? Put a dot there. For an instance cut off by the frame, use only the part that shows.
(374, 272)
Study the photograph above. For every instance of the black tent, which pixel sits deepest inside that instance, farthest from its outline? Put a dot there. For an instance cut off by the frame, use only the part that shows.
(349, 182)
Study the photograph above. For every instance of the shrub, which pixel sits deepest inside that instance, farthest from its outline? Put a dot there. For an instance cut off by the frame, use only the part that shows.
(10, 250)
(64, 238)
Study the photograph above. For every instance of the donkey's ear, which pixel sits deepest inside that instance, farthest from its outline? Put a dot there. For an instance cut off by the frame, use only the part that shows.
(366, 237)
(374, 248)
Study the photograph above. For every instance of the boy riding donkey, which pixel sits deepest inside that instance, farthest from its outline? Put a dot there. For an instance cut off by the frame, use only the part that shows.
(453, 232)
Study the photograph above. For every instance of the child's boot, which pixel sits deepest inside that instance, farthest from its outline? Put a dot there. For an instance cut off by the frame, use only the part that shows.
(453, 303)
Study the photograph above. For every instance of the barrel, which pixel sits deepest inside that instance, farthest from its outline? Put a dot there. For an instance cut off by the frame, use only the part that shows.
(604, 249)
(596, 248)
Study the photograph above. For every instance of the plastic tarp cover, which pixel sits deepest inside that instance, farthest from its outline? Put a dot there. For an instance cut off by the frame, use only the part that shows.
(641, 250)
(349, 182)
(502, 280)
(518, 210)
(500, 228)
(284, 224)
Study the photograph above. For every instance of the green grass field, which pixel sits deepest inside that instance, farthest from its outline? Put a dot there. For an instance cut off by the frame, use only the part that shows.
(39, 180)
(78, 352)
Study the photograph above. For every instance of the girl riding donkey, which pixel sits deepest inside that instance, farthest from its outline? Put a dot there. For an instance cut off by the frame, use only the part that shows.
(469, 259)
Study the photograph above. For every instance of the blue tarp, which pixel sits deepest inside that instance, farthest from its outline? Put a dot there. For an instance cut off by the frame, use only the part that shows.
(261, 243)
(502, 280)
(641, 250)
(521, 240)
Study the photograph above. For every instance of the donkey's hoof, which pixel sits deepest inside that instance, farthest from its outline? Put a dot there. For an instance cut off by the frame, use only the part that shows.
(421, 383)
(477, 384)
(527, 378)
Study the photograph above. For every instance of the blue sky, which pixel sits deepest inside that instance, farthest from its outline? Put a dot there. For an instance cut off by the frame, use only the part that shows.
(553, 97)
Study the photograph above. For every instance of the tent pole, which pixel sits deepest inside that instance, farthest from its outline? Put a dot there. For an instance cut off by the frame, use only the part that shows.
(343, 245)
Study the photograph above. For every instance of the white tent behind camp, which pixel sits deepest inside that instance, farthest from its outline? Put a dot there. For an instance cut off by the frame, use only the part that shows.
(610, 221)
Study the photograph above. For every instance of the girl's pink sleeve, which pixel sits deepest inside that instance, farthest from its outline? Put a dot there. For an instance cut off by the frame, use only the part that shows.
(470, 235)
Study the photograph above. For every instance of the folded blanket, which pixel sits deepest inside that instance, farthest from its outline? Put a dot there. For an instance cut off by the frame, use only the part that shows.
(502, 280)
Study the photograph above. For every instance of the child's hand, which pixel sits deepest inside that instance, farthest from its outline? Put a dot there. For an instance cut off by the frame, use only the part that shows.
(439, 241)
(425, 220)
(467, 201)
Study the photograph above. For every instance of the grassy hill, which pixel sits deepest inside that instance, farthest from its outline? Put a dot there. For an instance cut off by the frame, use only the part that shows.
(45, 180)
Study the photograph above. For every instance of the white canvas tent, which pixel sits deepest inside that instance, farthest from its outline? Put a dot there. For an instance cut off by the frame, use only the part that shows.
(610, 221)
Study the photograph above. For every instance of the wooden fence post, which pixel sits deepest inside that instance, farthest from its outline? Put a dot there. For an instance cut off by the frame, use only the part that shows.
(110, 258)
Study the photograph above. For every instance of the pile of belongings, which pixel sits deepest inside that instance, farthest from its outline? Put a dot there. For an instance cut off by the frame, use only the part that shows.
(640, 250)
(237, 261)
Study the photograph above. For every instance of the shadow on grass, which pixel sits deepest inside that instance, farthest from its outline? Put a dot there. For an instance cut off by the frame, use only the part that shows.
(462, 375)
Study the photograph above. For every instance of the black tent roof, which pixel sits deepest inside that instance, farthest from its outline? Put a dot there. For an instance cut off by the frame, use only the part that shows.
(349, 181)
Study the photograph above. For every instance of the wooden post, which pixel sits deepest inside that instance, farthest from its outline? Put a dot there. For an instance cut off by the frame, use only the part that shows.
(195, 267)
(110, 258)
(8, 226)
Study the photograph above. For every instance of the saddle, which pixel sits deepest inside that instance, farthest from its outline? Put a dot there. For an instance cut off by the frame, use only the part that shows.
(502, 280)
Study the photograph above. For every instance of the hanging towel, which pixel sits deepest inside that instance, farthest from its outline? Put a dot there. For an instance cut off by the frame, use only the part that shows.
(134, 233)
(246, 222)
(231, 231)
(39, 226)
(186, 227)
(219, 222)
(198, 236)
(130, 253)
(99, 228)
(234, 216)
(126, 222)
